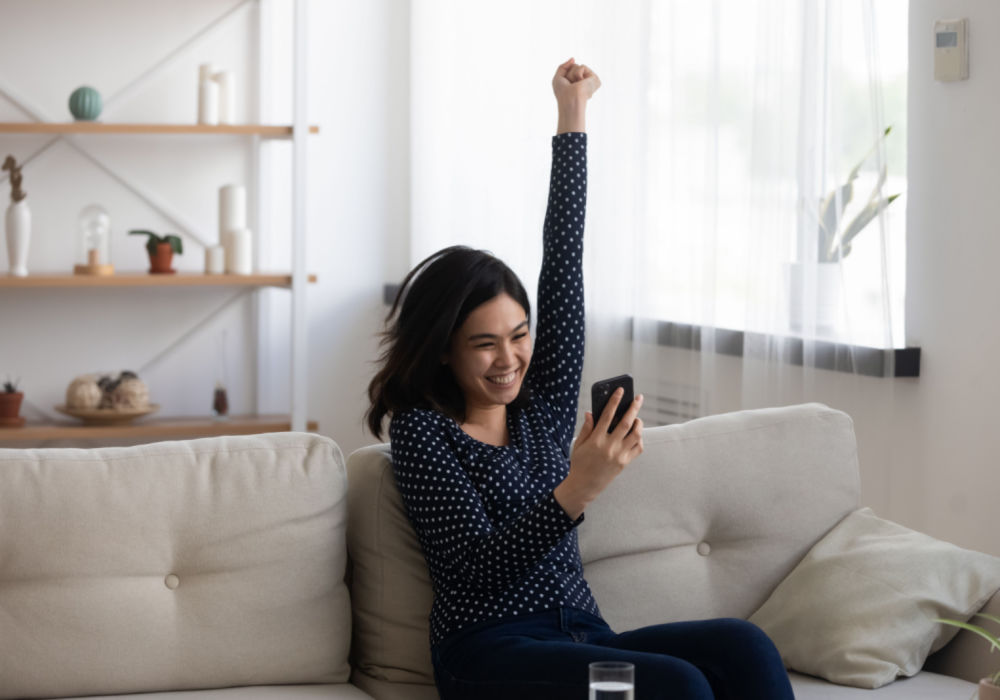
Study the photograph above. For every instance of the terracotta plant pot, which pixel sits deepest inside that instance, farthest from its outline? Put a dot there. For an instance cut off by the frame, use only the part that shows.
(159, 264)
(10, 407)
(988, 691)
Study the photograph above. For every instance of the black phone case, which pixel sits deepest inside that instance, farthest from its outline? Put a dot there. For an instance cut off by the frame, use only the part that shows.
(601, 391)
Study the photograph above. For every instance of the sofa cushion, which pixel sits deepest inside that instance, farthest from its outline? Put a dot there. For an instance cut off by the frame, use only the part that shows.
(390, 585)
(716, 512)
(860, 608)
(176, 565)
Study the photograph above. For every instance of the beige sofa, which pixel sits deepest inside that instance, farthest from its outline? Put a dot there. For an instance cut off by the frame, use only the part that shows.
(220, 563)
(706, 523)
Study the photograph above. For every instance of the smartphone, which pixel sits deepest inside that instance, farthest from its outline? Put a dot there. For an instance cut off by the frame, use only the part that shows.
(602, 391)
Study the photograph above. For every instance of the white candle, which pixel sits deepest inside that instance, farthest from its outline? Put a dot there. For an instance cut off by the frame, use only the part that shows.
(208, 102)
(232, 209)
(239, 252)
(227, 96)
(215, 260)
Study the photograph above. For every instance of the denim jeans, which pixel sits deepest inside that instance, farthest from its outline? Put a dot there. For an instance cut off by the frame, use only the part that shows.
(544, 656)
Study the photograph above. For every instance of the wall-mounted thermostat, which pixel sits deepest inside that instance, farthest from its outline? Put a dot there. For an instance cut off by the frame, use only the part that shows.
(951, 49)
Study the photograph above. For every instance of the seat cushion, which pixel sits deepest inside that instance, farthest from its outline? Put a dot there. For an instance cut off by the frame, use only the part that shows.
(337, 691)
(176, 565)
(923, 686)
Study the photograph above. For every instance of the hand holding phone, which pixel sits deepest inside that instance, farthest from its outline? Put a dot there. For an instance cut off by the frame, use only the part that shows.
(600, 394)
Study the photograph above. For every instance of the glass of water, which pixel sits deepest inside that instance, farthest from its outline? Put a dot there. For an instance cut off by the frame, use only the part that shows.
(612, 680)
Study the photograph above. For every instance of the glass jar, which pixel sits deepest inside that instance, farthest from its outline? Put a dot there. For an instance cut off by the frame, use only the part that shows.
(93, 242)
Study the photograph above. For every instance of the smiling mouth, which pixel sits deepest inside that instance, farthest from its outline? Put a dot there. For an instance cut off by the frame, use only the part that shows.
(503, 379)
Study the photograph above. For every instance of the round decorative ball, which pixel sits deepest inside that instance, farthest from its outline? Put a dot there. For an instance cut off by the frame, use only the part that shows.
(85, 103)
(83, 392)
(131, 393)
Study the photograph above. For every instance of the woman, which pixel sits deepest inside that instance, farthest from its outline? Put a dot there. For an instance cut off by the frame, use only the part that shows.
(481, 428)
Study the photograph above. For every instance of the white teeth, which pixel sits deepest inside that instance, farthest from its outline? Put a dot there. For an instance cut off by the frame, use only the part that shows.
(503, 379)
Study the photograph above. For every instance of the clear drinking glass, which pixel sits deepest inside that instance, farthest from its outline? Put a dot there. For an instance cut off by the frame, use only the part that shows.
(612, 680)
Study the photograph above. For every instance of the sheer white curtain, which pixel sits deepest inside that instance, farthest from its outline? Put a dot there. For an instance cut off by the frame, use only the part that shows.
(721, 127)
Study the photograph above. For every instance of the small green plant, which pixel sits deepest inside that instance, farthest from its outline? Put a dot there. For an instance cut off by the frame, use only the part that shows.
(155, 240)
(834, 241)
(982, 632)
(10, 387)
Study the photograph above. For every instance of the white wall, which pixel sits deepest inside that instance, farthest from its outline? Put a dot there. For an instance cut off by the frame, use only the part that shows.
(358, 198)
(948, 464)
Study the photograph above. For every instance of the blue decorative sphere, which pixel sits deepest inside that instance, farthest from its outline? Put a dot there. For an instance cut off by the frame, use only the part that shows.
(85, 103)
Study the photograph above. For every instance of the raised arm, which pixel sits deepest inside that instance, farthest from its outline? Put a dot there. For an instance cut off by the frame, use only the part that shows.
(558, 355)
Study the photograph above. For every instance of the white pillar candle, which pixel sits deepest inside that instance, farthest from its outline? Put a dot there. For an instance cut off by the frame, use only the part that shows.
(215, 260)
(208, 102)
(239, 252)
(227, 96)
(232, 209)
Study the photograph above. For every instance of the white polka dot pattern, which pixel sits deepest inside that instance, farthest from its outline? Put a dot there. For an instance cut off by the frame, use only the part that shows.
(496, 541)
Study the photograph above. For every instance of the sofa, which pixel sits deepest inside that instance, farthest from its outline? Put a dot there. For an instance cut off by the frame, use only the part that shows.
(264, 567)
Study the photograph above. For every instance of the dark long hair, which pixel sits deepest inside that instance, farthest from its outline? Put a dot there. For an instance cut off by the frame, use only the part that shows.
(433, 302)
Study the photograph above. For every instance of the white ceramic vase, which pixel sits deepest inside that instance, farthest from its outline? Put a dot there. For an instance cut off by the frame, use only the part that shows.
(821, 300)
(18, 237)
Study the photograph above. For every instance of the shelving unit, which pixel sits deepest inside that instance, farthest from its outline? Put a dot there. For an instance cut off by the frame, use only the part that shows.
(144, 279)
(264, 131)
(153, 428)
(75, 135)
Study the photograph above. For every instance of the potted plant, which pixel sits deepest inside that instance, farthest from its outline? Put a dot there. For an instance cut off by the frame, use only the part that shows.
(989, 687)
(161, 251)
(835, 235)
(10, 405)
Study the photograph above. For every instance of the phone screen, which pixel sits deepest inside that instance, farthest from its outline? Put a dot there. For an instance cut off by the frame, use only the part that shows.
(601, 392)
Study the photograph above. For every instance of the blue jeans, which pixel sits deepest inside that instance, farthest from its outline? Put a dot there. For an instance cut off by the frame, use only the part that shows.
(544, 656)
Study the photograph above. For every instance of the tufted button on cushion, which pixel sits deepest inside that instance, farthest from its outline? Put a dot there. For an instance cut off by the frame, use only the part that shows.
(704, 549)
(172, 581)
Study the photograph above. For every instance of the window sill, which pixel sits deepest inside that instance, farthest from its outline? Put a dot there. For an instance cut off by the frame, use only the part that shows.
(829, 355)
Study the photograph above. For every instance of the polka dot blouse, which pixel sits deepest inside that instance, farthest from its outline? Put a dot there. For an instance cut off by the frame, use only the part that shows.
(497, 542)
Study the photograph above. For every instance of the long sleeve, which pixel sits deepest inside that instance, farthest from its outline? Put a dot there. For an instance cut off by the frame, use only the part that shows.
(462, 539)
(558, 354)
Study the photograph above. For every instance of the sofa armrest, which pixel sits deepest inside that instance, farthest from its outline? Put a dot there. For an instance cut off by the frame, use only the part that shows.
(967, 656)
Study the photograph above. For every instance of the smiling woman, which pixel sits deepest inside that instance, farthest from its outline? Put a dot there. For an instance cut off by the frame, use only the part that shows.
(494, 485)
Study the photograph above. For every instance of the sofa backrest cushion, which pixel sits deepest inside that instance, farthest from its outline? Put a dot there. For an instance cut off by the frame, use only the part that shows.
(716, 512)
(705, 523)
(176, 565)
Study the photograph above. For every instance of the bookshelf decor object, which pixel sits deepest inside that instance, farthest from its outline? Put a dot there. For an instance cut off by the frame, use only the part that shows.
(93, 242)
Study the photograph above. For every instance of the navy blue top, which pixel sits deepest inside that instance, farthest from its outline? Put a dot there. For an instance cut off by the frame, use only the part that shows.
(497, 542)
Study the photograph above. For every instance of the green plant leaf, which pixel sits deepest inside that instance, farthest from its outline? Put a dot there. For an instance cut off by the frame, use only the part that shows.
(985, 634)
(991, 618)
(175, 243)
(151, 242)
(863, 218)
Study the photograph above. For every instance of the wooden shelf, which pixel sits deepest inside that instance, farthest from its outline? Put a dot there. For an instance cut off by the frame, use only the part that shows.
(267, 131)
(152, 428)
(145, 279)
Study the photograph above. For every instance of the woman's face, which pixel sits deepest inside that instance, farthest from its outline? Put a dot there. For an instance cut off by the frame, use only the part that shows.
(490, 353)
